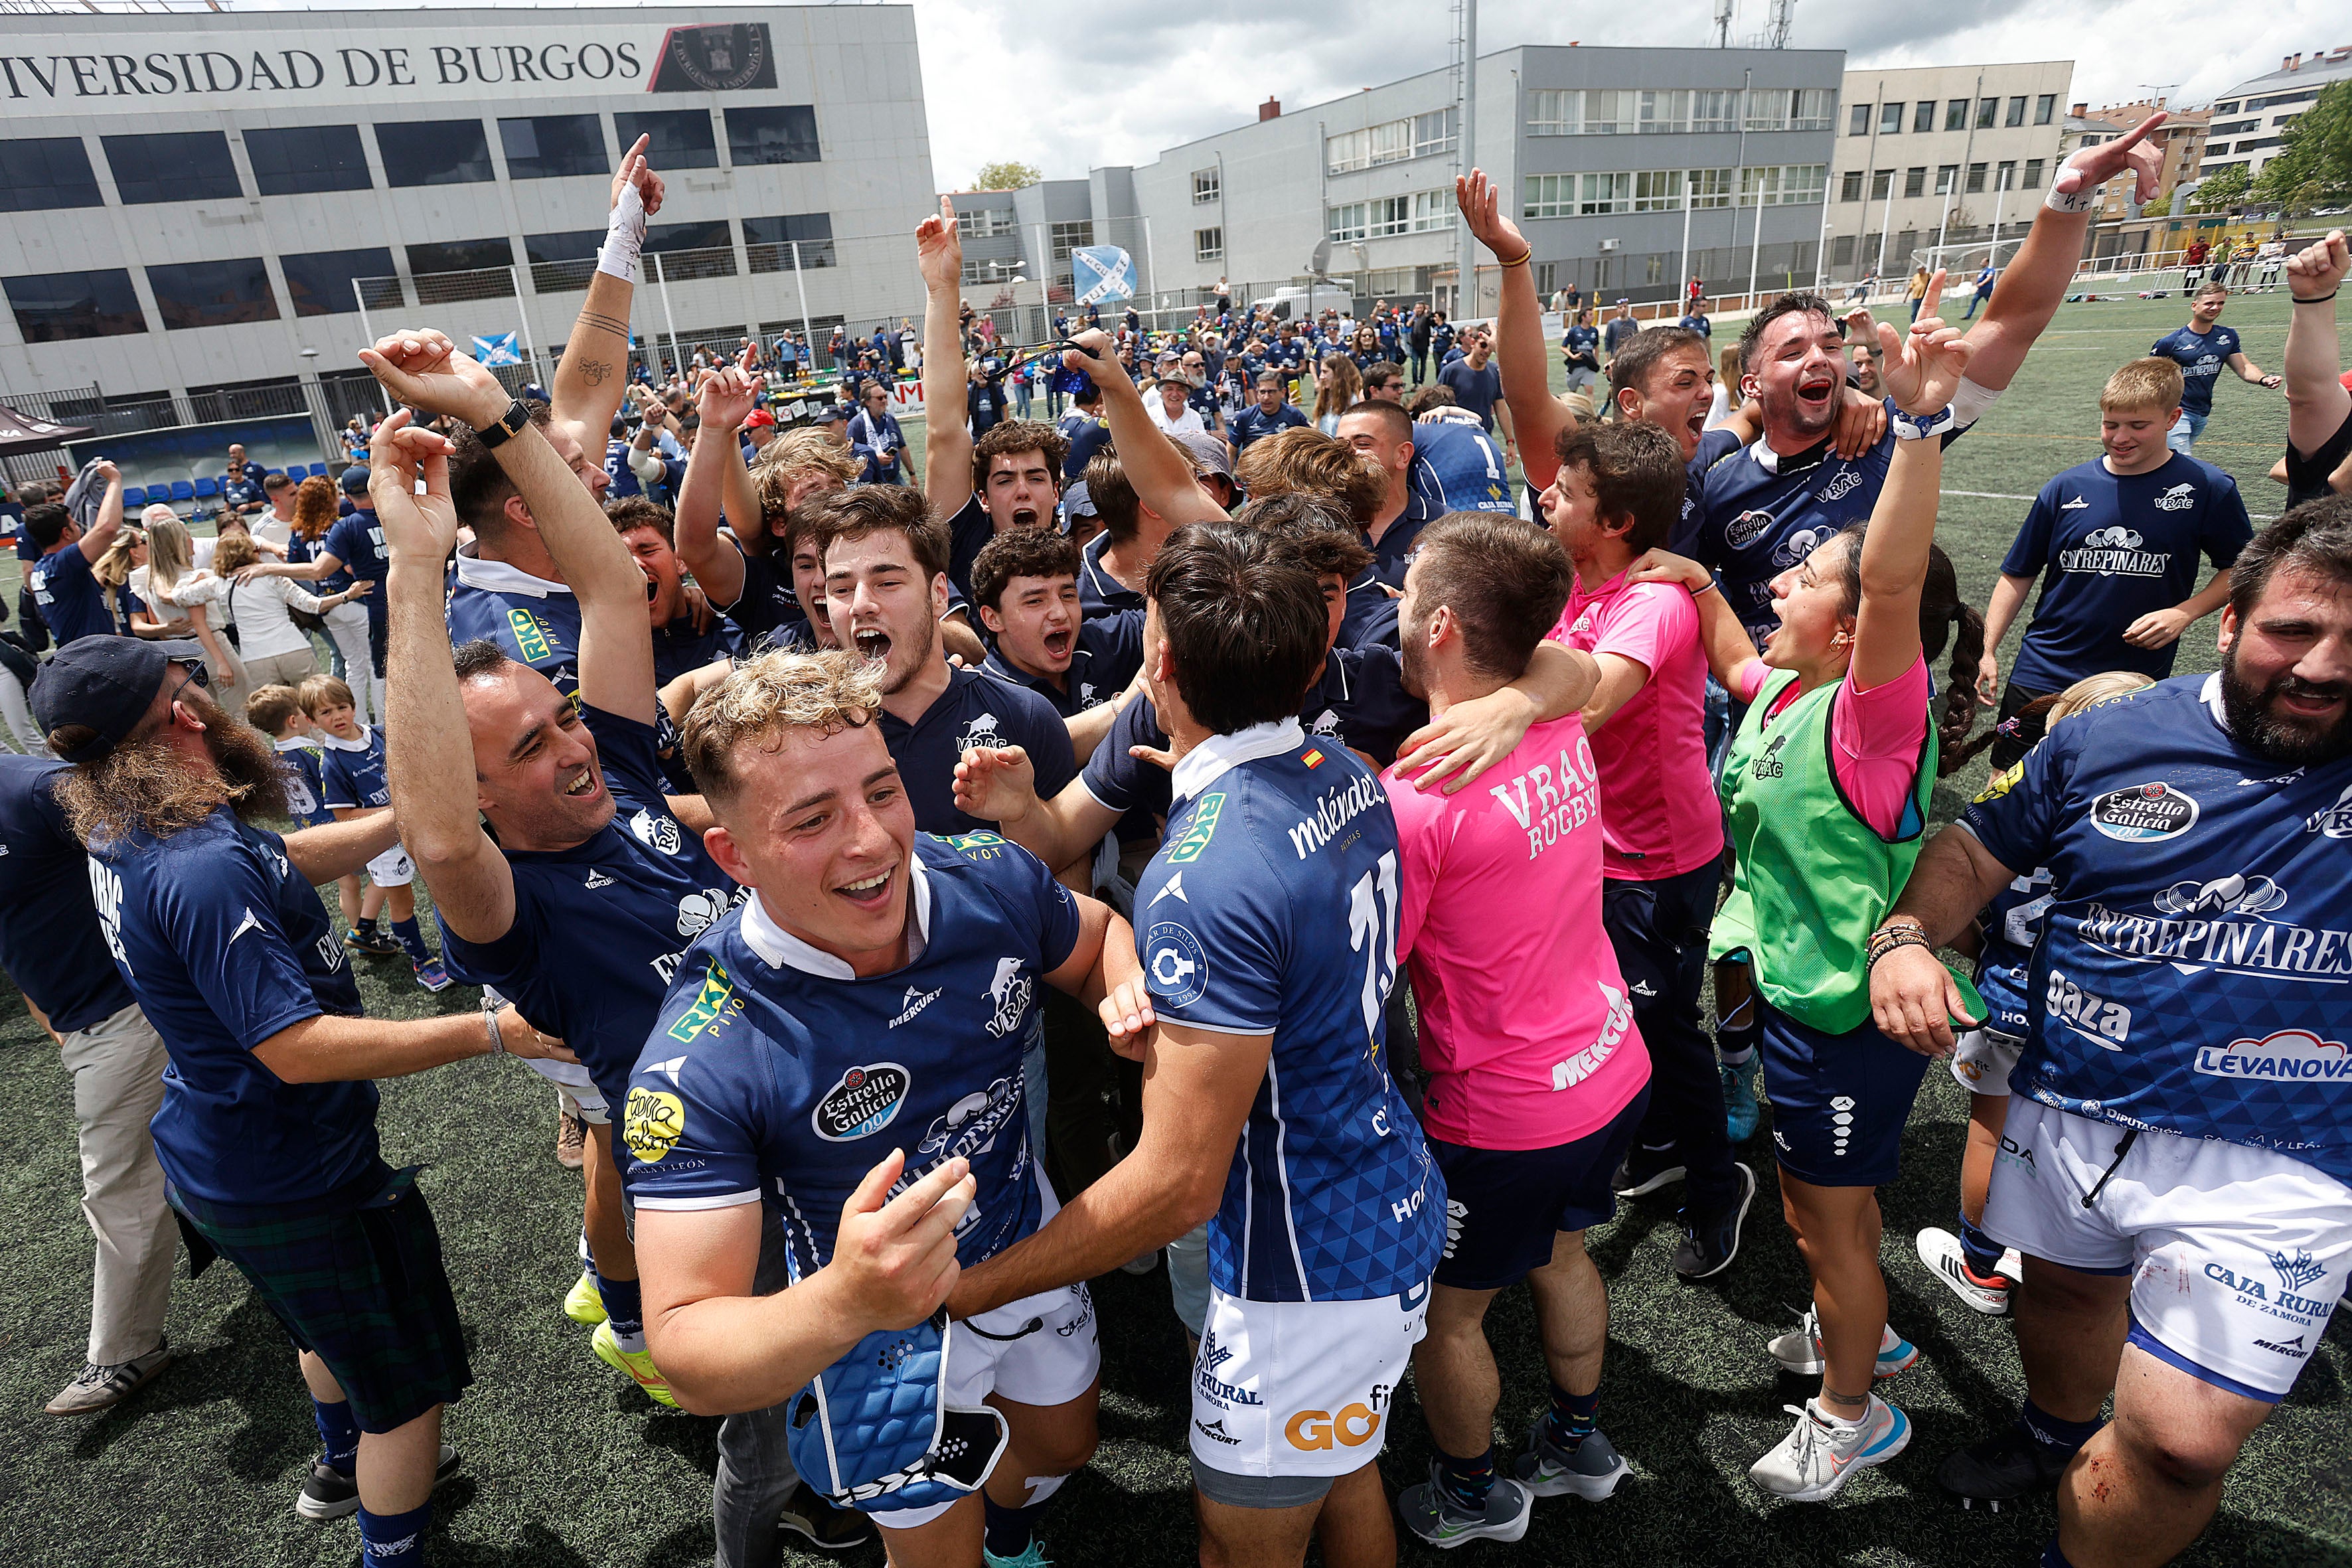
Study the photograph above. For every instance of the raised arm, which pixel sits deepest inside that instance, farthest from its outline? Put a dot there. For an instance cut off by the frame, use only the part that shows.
(1536, 417)
(2035, 282)
(1922, 370)
(2316, 402)
(428, 745)
(1159, 468)
(947, 434)
(100, 534)
(724, 401)
(616, 653)
(593, 371)
(997, 784)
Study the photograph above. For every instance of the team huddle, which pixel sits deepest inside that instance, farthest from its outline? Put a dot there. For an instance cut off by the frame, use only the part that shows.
(1092, 856)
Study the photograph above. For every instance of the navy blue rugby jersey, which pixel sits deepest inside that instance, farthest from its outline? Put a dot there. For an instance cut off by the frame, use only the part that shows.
(2008, 927)
(601, 927)
(1457, 466)
(773, 1075)
(50, 941)
(2195, 958)
(224, 944)
(1271, 908)
(2201, 360)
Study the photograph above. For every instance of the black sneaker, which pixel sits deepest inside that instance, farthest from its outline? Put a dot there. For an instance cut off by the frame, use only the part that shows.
(1645, 1171)
(2003, 1468)
(826, 1527)
(331, 1494)
(1711, 1242)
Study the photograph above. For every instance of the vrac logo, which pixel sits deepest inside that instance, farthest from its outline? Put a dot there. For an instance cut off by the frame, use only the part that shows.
(2179, 497)
(2335, 821)
(656, 833)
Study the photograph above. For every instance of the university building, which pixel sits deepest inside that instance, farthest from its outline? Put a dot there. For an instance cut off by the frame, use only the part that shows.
(207, 215)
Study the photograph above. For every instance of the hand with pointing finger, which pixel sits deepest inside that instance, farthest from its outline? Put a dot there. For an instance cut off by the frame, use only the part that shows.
(893, 1258)
(2093, 166)
(1923, 367)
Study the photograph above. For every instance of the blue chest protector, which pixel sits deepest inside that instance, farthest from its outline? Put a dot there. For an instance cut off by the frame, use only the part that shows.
(874, 1431)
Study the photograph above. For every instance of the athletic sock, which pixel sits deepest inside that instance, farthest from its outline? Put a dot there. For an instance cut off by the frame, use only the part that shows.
(2058, 1440)
(2053, 1558)
(1829, 1414)
(338, 1433)
(367, 926)
(394, 1540)
(1734, 1043)
(625, 1310)
(1007, 1532)
(1572, 1419)
(1466, 1482)
(411, 937)
(1981, 1252)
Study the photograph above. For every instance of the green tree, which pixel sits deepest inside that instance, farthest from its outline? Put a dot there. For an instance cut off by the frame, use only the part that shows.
(2222, 192)
(2314, 166)
(1004, 175)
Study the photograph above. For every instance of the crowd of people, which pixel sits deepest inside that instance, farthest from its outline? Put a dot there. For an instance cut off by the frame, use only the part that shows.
(925, 898)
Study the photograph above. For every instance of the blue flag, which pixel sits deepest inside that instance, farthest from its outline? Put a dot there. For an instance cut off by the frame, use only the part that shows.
(498, 349)
(1102, 272)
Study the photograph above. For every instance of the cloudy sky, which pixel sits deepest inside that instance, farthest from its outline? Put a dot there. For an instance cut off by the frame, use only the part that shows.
(1028, 78)
(1070, 85)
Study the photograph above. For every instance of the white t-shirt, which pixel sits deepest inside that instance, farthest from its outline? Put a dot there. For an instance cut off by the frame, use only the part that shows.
(1187, 423)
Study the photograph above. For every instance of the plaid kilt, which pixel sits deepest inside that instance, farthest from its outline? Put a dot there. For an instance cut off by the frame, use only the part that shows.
(358, 1281)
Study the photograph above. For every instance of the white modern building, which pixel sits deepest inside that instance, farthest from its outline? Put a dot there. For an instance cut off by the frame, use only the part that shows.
(208, 213)
(1629, 169)
(2250, 120)
(1936, 154)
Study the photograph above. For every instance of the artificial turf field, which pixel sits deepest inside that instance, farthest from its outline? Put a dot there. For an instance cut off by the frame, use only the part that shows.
(565, 1464)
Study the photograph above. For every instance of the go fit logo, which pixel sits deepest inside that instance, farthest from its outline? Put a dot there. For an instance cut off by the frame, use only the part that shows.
(1353, 1426)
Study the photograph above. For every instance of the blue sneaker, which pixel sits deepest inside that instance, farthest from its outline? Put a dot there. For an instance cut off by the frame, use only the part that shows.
(432, 976)
(1031, 1556)
(1740, 1087)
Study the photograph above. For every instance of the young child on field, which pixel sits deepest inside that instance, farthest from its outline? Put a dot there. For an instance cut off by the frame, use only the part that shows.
(276, 712)
(351, 782)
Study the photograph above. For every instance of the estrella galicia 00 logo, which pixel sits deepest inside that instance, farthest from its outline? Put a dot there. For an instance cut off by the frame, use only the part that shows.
(2144, 814)
(863, 1101)
(1175, 968)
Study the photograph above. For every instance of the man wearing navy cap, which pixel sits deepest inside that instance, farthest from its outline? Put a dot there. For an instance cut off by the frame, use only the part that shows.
(268, 1135)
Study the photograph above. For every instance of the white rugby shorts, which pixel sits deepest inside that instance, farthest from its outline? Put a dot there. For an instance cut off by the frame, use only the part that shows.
(1299, 1388)
(1040, 1350)
(392, 868)
(1983, 1061)
(2237, 1256)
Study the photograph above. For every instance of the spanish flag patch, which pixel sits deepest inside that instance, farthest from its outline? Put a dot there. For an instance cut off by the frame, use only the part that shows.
(1312, 759)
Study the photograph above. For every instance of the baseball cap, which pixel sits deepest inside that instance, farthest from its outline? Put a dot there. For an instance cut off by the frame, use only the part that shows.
(1208, 451)
(105, 682)
(355, 480)
(831, 412)
(1075, 501)
(759, 417)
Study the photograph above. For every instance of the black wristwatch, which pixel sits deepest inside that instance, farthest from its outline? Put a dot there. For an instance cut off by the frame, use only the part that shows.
(507, 426)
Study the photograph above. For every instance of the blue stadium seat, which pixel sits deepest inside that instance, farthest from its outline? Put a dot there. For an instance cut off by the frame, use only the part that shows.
(318, 470)
(134, 496)
(206, 487)
(183, 492)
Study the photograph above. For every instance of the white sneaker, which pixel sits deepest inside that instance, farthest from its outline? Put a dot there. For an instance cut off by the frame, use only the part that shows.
(1940, 1251)
(1818, 1456)
(1800, 1349)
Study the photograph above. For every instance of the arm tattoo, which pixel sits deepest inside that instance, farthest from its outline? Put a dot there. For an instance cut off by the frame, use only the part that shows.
(594, 371)
(596, 320)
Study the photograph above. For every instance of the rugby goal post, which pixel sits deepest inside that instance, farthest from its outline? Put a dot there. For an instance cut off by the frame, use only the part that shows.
(1962, 262)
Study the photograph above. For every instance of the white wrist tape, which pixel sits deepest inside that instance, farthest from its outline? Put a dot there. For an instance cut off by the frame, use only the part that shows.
(1970, 402)
(2081, 200)
(625, 235)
